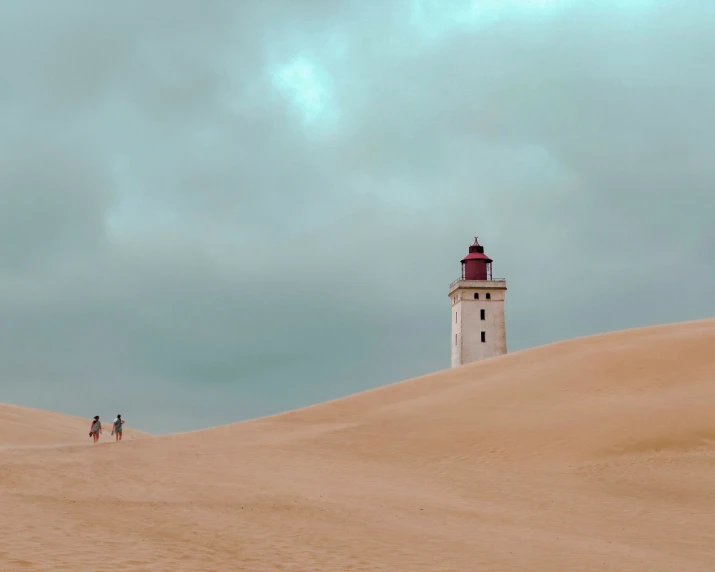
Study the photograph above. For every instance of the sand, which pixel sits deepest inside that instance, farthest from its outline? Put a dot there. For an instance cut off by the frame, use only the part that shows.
(594, 454)
(22, 427)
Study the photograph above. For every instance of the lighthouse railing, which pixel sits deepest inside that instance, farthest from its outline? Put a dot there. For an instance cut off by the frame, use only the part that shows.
(460, 279)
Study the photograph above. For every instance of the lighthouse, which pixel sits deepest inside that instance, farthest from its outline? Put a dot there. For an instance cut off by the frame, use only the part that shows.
(478, 321)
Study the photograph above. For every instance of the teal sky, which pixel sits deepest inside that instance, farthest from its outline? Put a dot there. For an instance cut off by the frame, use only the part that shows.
(211, 211)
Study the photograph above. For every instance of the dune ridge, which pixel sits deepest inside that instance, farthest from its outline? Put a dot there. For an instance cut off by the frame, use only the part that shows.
(591, 454)
(27, 427)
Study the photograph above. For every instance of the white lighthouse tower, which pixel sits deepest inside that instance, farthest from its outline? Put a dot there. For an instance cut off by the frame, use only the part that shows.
(478, 321)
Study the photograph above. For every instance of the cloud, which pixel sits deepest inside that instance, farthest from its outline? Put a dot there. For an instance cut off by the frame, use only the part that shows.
(213, 213)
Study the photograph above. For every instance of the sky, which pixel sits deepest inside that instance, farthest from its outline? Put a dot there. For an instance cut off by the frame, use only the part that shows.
(214, 211)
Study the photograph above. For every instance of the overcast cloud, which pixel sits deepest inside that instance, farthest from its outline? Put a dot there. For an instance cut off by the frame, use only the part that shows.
(215, 210)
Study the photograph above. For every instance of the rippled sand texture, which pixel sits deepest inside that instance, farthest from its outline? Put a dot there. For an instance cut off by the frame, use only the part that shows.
(595, 454)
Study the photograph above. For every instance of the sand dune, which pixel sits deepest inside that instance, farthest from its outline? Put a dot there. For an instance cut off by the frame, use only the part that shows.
(594, 454)
(27, 427)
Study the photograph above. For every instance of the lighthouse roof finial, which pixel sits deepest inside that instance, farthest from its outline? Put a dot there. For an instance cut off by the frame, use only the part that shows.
(476, 247)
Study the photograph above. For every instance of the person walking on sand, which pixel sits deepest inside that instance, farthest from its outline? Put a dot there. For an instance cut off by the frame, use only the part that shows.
(95, 429)
(117, 427)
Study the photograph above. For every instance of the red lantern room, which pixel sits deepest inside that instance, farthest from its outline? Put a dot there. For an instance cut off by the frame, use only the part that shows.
(476, 265)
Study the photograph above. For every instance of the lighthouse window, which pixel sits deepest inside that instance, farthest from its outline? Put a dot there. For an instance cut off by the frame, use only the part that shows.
(455, 317)
(455, 339)
(476, 296)
(489, 296)
(484, 336)
(482, 313)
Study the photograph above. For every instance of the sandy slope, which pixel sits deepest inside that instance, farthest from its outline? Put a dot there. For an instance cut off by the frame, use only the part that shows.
(27, 427)
(595, 454)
